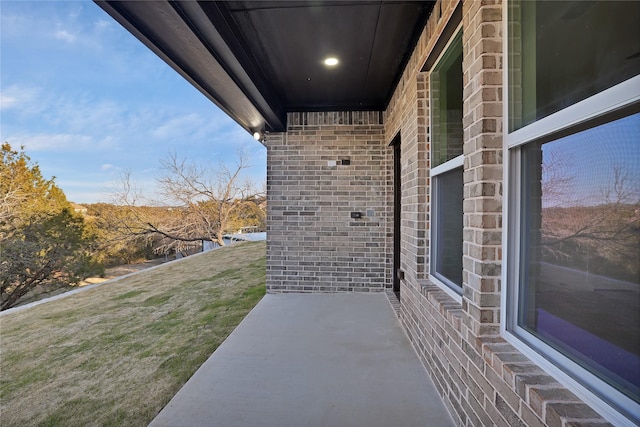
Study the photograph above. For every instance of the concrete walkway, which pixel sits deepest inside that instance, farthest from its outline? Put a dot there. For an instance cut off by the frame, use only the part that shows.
(311, 360)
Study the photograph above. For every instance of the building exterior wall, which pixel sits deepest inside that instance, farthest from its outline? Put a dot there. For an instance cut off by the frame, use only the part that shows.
(482, 378)
(314, 245)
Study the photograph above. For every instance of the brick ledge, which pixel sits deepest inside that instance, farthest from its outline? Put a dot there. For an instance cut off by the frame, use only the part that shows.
(522, 390)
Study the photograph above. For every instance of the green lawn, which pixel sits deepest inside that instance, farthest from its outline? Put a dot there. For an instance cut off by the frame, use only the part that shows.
(116, 354)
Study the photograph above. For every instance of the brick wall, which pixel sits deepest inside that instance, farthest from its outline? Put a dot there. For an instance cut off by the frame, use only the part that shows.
(483, 379)
(314, 245)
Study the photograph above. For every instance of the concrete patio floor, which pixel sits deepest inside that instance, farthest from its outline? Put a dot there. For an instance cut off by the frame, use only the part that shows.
(311, 360)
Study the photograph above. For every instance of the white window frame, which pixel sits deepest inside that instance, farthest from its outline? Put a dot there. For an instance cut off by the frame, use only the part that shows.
(447, 166)
(555, 363)
(455, 163)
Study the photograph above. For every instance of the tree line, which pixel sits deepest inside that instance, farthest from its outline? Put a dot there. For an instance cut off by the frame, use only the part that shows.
(45, 243)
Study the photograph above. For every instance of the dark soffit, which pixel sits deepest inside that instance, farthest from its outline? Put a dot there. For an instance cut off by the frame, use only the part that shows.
(258, 60)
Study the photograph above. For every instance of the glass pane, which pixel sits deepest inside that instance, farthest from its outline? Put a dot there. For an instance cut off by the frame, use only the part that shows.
(561, 52)
(447, 260)
(446, 101)
(580, 284)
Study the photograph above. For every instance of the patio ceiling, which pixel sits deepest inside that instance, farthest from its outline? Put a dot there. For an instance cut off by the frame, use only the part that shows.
(258, 60)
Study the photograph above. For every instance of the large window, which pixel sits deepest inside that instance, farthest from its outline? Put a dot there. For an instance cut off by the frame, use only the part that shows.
(574, 199)
(562, 52)
(446, 166)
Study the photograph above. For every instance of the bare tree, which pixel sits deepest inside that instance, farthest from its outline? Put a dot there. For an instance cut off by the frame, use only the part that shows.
(197, 203)
(604, 226)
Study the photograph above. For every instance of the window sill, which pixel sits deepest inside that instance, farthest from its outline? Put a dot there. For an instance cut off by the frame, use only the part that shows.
(511, 374)
(447, 306)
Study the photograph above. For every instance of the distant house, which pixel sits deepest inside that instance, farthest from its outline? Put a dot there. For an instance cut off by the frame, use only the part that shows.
(79, 208)
(229, 239)
(478, 159)
(246, 237)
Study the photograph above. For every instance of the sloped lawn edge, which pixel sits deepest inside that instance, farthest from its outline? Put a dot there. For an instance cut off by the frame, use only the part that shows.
(116, 354)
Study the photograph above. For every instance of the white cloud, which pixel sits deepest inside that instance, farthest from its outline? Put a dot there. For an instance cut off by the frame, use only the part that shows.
(179, 126)
(7, 101)
(106, 167)
(90, 116)
(51, 142)
(102, 25)
(64, 35)
(18, 97)
(49, 23)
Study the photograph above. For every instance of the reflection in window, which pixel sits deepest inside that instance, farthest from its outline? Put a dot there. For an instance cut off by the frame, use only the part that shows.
(561, 52)
(446, 100)
(448, 201)
(447, 179)
(580, 285)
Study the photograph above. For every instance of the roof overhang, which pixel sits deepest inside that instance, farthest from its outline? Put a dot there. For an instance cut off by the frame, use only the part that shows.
(258, 60)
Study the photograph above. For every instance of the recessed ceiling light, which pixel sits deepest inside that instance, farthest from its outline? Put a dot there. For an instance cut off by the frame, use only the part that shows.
(331, 61)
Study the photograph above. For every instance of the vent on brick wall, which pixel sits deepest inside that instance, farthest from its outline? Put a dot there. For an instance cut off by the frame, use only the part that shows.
(332, 118)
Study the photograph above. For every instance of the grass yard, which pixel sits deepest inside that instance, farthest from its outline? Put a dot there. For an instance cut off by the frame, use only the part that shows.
(116, 354)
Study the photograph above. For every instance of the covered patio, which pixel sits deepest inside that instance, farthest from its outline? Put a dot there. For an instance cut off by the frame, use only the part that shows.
(397, 136)
(311, 360)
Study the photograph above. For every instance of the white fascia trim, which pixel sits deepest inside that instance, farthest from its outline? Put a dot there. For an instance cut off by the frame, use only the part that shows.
(505, 167)
(620, 95)
(510, 239)
(456, 162)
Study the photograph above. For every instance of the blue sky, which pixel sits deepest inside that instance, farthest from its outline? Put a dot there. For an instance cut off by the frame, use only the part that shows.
(586, 162)
(88, 101)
